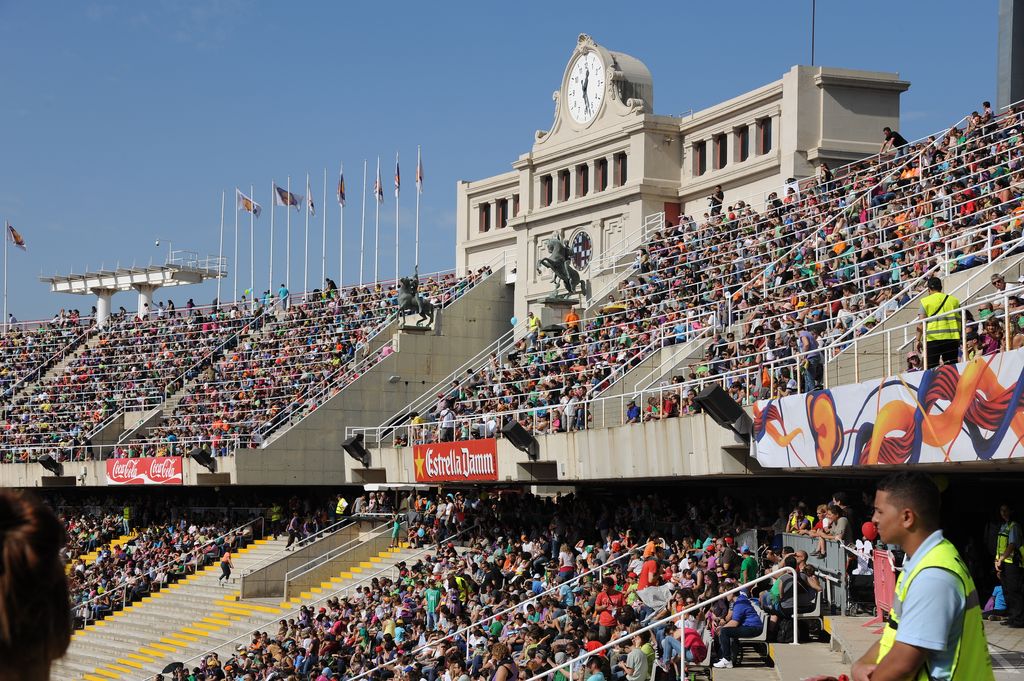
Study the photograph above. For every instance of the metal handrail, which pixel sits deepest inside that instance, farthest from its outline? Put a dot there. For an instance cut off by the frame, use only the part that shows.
(312, 539)
(677, 616)
(334, 554)
(124, 587)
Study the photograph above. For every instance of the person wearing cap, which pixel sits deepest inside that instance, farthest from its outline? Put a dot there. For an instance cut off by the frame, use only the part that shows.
(742, 621)
(748, 567)
(632, 412)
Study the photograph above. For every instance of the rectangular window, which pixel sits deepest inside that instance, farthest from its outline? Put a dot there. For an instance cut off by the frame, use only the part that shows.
(764, 135)
(515, 205)
(563, 185)
(721, 151)
(502, 213)
(700, 158)
(582, 179)
(601, 174)
(545, 191)
(742, 143)
(485, 217)
(620, 168)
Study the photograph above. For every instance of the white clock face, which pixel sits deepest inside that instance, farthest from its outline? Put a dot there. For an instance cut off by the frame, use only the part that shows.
(585, 90)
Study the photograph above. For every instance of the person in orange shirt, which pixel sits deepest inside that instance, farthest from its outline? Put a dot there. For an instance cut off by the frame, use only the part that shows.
(572, 320)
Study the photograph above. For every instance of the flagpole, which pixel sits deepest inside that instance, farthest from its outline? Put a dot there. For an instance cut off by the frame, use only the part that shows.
(323, 245)
(252, 249)
(234, 260)
(362, 227)
(419, 188)
(273, 203)
(305, 257)
(341, 236)
(376, 225)
(7, 237)
(220, 248)
(398, 190)
(288, 243)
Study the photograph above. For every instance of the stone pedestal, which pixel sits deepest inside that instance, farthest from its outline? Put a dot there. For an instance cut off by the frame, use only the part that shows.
(554, 310)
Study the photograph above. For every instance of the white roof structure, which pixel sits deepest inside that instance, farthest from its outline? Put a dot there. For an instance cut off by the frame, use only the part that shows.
(184, 267)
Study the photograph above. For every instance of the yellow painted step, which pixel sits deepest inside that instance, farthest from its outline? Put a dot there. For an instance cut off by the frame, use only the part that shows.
(239, 611)
(170, 642)
(155, 653)
(143, 658)
(316, 590)
(92, 677)
(206, 627)
(183, 637)
(119, 668)
(346, 575)
(250, 606)
(305, 595)
(376, 559)
(355, 569)
(105, 673)
(194, 630)
(131, 663)
(366, 564)
(220, 621)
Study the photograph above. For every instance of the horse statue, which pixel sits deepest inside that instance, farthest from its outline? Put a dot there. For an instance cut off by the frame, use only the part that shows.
(563, 272)
(409, 301)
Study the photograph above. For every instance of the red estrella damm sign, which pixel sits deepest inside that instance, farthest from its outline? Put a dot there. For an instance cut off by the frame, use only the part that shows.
(462, 461)
(156, 470)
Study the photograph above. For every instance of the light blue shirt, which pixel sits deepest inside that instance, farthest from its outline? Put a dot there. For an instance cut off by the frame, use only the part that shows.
(933, 611)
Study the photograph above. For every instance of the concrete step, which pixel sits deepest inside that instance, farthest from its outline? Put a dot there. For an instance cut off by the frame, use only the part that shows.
(798, 662)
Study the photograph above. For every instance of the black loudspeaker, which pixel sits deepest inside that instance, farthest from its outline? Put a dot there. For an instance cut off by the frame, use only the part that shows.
(51, 464)
(521, 439)
(203, 458)
(725, 411)
(353, 446)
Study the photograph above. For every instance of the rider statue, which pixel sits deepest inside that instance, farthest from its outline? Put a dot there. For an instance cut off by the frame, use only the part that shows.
(562, 270)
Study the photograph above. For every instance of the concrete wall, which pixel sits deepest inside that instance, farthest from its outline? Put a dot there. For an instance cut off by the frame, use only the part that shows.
(682, 447)
(310, 452)
(331, 566)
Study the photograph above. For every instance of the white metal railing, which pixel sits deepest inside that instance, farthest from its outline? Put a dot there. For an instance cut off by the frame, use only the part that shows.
(336, 553)
(677, 618)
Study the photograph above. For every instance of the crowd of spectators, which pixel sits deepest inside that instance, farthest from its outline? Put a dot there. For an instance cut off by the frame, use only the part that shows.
(493, 586)
(27, 350)
(131, 365)
(306, 353)
(764, 296)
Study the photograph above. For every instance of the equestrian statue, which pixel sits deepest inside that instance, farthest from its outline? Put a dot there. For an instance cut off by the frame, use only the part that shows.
(562, 270)
(409, 301)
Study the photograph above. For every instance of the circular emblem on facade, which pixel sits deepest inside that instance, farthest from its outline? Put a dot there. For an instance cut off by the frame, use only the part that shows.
(582, 250)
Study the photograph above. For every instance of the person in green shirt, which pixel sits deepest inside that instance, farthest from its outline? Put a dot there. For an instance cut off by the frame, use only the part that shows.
(748, 568)
(433, 597)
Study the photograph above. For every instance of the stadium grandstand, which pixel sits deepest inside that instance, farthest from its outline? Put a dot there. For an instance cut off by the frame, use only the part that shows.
(622, 481)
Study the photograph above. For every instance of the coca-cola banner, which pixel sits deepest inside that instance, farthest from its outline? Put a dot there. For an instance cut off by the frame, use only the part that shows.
(156, 470)
(462, 461)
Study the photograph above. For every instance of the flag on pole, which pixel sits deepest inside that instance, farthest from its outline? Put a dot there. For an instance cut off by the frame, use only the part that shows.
(310, 206)
(341, 187)
(398, 177)
(378, 186)
(419, 172)
(15, 237)
(243, 202)
(283, 197)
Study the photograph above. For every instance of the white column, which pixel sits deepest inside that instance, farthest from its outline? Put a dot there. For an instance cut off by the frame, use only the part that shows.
(145, 298)
(103, 296)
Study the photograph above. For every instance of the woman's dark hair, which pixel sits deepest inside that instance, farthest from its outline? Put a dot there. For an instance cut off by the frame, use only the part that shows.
(35, 610)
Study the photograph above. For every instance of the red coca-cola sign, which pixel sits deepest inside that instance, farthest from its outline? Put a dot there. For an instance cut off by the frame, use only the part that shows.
(155, 470)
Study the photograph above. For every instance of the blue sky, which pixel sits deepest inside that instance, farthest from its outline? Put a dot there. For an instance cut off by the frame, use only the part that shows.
(122, 122)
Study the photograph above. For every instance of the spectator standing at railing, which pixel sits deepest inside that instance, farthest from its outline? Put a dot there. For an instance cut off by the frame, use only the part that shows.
(942, 326)
(893, 142)
(934, 629)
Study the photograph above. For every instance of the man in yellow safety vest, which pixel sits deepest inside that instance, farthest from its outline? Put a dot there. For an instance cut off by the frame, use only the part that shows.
(1008, 566)
(942, 328)
(934, 629)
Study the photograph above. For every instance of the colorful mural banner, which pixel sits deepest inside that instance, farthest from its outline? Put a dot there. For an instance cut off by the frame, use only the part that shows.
(156, 470)
(461, 461)
(963, 412)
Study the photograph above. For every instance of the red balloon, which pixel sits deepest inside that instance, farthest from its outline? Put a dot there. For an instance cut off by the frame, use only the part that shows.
(869, 531)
